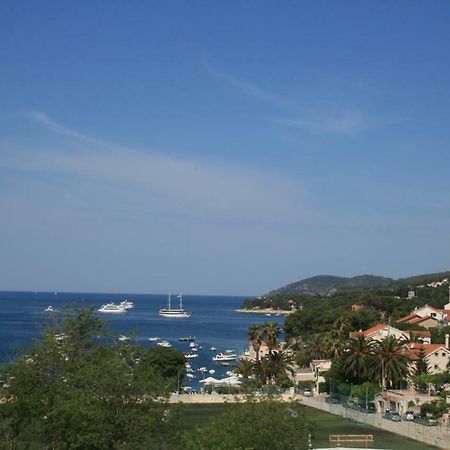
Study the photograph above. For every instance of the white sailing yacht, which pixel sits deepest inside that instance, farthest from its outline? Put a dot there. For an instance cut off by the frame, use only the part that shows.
(175, 312)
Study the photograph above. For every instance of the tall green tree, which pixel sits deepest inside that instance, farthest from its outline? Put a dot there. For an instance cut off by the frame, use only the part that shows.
(271, 334)
(389, 364)
(256, 336)
(266, 424)
(355, 358)
(74, 390)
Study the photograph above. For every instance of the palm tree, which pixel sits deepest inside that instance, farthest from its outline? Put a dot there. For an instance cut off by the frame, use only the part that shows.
(245, 368)
(315, 347)
(389, 362)
(271, 333)
(342, 323)
(280, 363)
(334, 343)
(255, 336)
(355, 358)
(263, 370)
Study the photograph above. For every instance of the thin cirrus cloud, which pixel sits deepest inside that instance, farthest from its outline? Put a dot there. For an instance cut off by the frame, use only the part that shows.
(155, 182)
(344, 121)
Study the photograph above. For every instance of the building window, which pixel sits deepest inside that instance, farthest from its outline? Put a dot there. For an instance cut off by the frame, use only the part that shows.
(436, 366)
(436, 354)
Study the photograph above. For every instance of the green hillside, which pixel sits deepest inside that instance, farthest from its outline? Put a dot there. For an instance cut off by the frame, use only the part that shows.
(329, 284)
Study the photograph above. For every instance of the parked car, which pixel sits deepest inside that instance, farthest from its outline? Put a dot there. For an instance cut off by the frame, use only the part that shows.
(307, 393)
(392, 415)
(427, 421)
(370, 408)
(408, 415)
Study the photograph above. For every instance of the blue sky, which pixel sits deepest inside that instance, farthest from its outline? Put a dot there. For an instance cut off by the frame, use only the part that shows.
(221, 147)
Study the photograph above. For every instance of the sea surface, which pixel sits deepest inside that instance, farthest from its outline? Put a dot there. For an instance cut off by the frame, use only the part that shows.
(214, 322)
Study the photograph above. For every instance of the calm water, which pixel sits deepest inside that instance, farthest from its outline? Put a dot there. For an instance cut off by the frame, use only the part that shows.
(213, 322)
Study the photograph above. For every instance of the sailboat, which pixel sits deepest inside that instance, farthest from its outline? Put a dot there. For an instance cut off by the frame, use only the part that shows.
(175, 312)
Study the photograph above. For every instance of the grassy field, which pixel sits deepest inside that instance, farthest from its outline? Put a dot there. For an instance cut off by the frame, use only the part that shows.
(324, 425)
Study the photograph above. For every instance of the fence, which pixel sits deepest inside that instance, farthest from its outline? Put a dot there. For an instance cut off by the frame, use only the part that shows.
(438, 436)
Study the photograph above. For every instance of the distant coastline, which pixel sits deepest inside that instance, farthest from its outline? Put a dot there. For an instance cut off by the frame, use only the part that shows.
(267, 311)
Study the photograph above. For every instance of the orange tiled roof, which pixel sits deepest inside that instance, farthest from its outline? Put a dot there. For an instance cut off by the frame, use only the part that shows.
(426, 348)
(407, 318)
(374, 329)
(421, 319)
(425, 333)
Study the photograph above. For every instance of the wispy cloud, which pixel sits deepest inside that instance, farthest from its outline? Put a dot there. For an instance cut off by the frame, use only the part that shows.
(151, 181)
(346, 122)
(247, 88)
(49, 123)
(343, 121)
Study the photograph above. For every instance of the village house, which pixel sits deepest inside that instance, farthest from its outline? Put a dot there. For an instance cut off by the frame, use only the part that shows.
(400, 400)
(381, 331)
(437, 356)
(313, 373)
(428, 316)
(356, 307)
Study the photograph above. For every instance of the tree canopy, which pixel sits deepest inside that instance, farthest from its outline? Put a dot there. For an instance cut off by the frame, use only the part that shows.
(75, 389)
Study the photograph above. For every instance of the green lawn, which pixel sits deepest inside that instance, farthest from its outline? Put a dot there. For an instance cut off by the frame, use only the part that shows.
(324, 425)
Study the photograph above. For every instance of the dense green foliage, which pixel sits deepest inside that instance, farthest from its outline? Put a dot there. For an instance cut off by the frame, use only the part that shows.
(256, 424)
(73, 389)
(330, 284)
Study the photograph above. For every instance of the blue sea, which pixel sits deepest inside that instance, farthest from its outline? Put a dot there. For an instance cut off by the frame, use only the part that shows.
(214, 322)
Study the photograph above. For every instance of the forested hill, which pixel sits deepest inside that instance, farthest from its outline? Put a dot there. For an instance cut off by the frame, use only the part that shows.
(329, 284)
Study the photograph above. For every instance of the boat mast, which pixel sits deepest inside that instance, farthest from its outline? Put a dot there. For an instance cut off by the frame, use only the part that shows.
(169, 300)
(181, 300)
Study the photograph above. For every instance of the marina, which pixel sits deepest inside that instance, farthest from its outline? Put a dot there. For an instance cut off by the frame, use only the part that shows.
(213, 327)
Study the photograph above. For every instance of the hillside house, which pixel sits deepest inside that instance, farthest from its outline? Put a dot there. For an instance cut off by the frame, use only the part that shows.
(381, 331)
(428, 316)
(437, 356)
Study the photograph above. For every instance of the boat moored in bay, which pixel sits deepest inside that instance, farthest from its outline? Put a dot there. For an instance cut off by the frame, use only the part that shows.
(176, 313)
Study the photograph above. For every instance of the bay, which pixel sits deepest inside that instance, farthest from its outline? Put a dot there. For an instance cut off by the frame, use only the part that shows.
(214, 322)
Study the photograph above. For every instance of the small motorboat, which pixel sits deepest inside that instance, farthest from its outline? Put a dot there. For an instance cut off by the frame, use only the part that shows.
(126, 304)
(153, 339)
(49, 308)
(111, 308)
(123, 338)
(187, 339)
(164, 344)
(213, 349)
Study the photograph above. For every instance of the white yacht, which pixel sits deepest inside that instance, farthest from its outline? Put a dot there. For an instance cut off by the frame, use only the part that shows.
(126, 304)
(164, 344)
(191, 355)
(153, 338)
(225, 357)
(175, 312)
(111, 308)
(123, 338)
